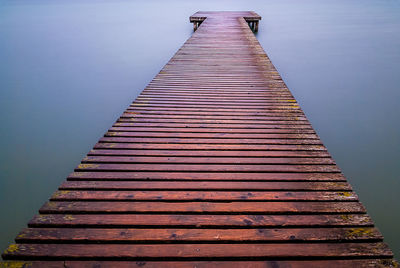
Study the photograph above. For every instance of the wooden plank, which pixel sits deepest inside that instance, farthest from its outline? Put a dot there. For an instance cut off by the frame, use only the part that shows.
(286, 110)
(233, 147)
(213, 114)
(203, 153)
(237, 106)
(47, 264)
(216, 99)
(151, 95)
(365, 263)
(208, 168)
(209, 135)
(182, 251)
(213, 121)
(208, 141)
(219, 103)
(283, 125)
(209, 185)
(207, 160)
(118, 235)
(208, 176)
(213, 130)
(200, 221)
(202, 207)
(203, 195)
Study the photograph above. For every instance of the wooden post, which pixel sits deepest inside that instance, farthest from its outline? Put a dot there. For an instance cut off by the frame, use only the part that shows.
(253, 25)
(196, 24)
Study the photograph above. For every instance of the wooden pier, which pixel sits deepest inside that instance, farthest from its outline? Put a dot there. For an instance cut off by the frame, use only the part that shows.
(213, 165)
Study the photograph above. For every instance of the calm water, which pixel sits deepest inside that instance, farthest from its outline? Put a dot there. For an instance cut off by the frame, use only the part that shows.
(69, 68)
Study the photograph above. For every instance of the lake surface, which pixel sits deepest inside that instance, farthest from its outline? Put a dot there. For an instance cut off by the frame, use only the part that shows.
(70, 68)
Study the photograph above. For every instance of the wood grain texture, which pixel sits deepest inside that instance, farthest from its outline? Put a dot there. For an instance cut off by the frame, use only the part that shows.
(213, 165)
(118, 235)
(365, 263)
(209, 185)
(201, 220)
(201, 251)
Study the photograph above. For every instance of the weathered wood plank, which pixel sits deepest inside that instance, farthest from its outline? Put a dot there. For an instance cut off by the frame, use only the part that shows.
(202, 207)
(207, 141)
(207, 160)
(200, 221)
(206, 176)
(47, 264)
(209, 135)
(233, 147)
(244, 264)
(203, 153)
(283, 125)
(118, 235)
(365, 263)
(207, 168)
(182, 251)
(213, 130)
(209, 185)
(213, 121)
(203, 195)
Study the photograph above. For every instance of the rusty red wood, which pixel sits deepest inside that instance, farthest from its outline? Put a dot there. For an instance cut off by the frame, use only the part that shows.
(213, 165)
